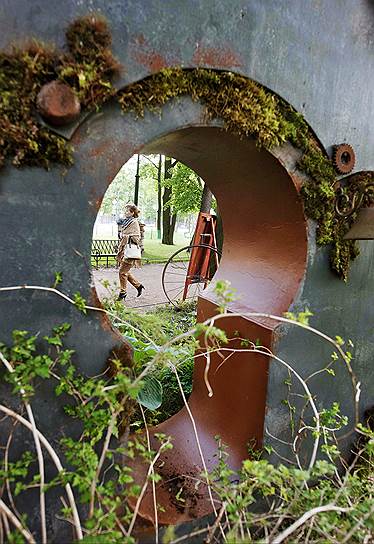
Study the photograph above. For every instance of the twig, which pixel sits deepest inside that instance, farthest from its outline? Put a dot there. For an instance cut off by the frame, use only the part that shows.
(6, 524)
(190, 535)
(39, 452)
(305, 386)
(216, 523)
(152, 473)
(144, 488)
(57, 463)
(7, 483)
(299, 522)
(16, 522)
(108, 436)
(71, 301)
(354, 529)
(197, 442)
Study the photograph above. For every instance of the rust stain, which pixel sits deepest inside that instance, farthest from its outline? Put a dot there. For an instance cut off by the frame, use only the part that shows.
(96, 198)
(150, 59)
(218, 57)
(100, 149)
(147, 56)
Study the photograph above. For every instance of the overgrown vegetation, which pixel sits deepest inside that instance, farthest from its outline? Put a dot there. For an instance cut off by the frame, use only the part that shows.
(246, 108)
(262, 503)
(159, 326)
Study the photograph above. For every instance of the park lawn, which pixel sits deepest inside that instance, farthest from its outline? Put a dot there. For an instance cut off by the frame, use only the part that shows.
(155, 251)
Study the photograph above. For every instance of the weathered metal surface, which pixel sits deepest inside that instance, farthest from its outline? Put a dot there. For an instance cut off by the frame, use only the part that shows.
(264, 256)
(363, 227)
(288, 49)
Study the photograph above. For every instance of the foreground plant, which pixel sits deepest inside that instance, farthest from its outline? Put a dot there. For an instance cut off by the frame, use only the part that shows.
(260, 503)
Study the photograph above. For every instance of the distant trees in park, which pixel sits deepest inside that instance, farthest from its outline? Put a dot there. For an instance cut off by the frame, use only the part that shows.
(167, 190)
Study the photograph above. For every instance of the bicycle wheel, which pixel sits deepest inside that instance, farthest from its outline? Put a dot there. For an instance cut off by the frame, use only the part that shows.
(180, 280)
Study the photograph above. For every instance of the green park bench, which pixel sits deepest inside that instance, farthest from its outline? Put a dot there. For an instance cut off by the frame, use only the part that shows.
(103, 252)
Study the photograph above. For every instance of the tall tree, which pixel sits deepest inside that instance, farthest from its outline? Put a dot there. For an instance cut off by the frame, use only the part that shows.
(169, 216)
(136, 192)
(159, 196)
(206, 199)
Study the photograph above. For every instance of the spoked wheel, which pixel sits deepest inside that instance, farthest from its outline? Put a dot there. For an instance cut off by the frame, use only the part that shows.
(188, 271)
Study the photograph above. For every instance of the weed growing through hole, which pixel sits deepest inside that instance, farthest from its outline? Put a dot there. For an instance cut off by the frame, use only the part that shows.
(260, 503)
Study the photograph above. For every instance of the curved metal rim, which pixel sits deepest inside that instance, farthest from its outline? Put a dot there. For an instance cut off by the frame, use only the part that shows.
(172, 257)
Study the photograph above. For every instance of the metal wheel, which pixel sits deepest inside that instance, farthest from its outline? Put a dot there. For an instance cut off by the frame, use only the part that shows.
(178, 282)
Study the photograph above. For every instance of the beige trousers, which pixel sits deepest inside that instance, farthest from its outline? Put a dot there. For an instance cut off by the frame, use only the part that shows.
(125, 276)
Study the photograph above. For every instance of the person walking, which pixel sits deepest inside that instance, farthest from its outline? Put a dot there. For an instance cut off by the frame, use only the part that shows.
(130, 233)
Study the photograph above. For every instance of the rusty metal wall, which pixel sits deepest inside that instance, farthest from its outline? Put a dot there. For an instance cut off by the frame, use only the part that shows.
(318, 55)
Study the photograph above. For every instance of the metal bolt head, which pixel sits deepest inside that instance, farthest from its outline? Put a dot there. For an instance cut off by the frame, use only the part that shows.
(57, 103)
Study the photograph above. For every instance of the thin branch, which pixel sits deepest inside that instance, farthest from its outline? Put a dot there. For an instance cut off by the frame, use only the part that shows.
(144, 488)
(354, 529)
(39, 452)
(152, 473)
(16, 522)
(150, 160)
(71, 301)
(95, 479)
(190, 535)
(197, 442)
(304, 385)
(216, 523)
(6, 461)
(57, 463)
(304, 518)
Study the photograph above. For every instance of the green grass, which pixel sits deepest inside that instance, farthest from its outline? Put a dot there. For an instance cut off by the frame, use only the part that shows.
(154, 251)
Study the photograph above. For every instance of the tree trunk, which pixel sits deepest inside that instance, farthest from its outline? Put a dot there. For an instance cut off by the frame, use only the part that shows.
(168, 218)
(136, 192)
(159, 197)
(206, 199)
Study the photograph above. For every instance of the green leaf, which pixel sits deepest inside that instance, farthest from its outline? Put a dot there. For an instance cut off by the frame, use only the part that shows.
(150, 395)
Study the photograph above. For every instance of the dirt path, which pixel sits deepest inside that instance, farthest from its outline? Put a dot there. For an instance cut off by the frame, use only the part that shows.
(149, 275)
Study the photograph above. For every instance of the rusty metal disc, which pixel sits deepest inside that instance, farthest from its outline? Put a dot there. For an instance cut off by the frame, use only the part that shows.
(343, 158)
(58, 104)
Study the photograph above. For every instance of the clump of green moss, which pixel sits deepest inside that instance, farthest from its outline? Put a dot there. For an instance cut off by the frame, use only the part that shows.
(245, 106)
(22, 138)
(88, 68)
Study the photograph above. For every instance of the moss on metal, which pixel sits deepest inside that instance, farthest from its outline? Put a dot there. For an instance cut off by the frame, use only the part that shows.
(250, 110)
(89, 67)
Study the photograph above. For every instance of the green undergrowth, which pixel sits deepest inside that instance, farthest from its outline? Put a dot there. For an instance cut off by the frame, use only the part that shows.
(156, 327)
(246, 108)
(261, 502)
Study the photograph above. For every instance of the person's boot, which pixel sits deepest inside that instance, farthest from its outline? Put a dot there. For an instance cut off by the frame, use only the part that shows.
(140, 289)
(122, 296)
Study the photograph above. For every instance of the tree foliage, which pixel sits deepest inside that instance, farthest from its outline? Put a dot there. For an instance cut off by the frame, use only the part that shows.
(187, 189)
